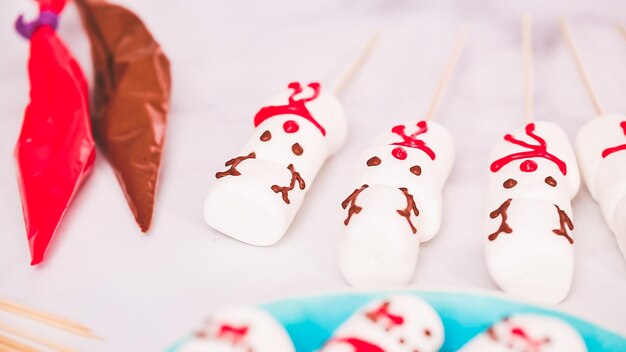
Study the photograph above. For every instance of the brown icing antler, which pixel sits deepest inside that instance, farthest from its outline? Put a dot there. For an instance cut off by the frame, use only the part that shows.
(564, 220)
(351, 200)
(233, 163)
(410, 206)
(295, 177)
(504, 227)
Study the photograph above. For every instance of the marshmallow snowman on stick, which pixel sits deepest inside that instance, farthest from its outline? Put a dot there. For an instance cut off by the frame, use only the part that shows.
(601, 150)
(396, 202)
(528, 225)
(527, 333)
(398, 323)
(258, 194)
(240, 329)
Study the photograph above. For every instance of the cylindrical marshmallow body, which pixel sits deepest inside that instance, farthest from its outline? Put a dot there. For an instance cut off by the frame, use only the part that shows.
(395, 205)
(240, 329)
(528, 228)
(257, 196)
(527, 332)
(601, 151)
(399, 323)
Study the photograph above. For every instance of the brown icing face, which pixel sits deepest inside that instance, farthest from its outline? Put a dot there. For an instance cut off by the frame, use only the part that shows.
(266, 136)
(550, 181)
(510, 183)
(373, 161)
(416, 170)
(296, 148)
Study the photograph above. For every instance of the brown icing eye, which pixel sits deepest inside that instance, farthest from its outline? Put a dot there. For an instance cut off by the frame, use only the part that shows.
(266, 136)
(510, 183)
(427, 332)
(373, 161)
(296, 148)
(416, 170)
(550, 181)
(401, 341)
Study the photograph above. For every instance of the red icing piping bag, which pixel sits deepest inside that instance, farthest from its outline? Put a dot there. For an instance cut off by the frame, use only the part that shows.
(55, 149)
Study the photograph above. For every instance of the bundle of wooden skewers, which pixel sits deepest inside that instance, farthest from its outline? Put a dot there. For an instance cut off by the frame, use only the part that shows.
(14, 339)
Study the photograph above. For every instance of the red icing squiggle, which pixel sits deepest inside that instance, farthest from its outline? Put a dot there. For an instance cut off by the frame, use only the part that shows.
(410, 141)
(535, 151)
(383, 312)
(235, 334)
(609, 151)
(531, 344)
(358, 344)
(295, 107)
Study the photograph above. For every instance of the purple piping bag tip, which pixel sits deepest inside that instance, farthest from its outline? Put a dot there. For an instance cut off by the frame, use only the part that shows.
(46, 18)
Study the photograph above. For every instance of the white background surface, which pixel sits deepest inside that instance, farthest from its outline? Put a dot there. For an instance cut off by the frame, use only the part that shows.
(143, 292)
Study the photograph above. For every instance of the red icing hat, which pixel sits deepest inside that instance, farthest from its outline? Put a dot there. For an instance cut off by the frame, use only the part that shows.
(539, 150)
(411, 141)
(295, 107)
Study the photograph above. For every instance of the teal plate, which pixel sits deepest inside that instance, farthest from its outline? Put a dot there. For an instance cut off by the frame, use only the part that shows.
(310, 321)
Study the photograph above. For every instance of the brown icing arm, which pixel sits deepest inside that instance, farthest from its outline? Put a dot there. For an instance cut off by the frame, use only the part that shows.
(351, 201)
(410, 206)
(564, 220)
(233, 163)
(295, 178)
(501, 211)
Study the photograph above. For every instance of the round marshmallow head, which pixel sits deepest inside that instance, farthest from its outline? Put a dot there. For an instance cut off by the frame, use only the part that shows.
(535, 156)
(528, 332)
(240, 329)
(307, 105)
(399, 323)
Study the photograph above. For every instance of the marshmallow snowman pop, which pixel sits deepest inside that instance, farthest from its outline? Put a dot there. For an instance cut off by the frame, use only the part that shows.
(257, 196)
(396, 203)
(533, 177)
(527, 333)
(601, 151)
(240, 329)
(398, 323)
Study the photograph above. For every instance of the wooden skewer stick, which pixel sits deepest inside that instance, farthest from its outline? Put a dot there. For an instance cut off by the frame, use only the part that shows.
(453, 59)
(527, 55)
(11, 345)
(569, 39)
(358, 61)
(36, 339)
(622, 30)
(47, 319)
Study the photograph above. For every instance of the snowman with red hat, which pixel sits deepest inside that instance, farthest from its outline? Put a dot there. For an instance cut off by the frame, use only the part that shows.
(395, 204)
(528, 227)
(256, 197)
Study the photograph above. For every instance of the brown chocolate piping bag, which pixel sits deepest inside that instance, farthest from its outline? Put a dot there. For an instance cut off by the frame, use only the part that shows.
(131, 100)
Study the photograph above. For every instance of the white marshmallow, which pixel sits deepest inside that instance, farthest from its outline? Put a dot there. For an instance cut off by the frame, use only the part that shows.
(257, 203)
(528, 199)
(601, 150)
(527, 332)
(240, 329)
(399, 323)
(396, 204)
